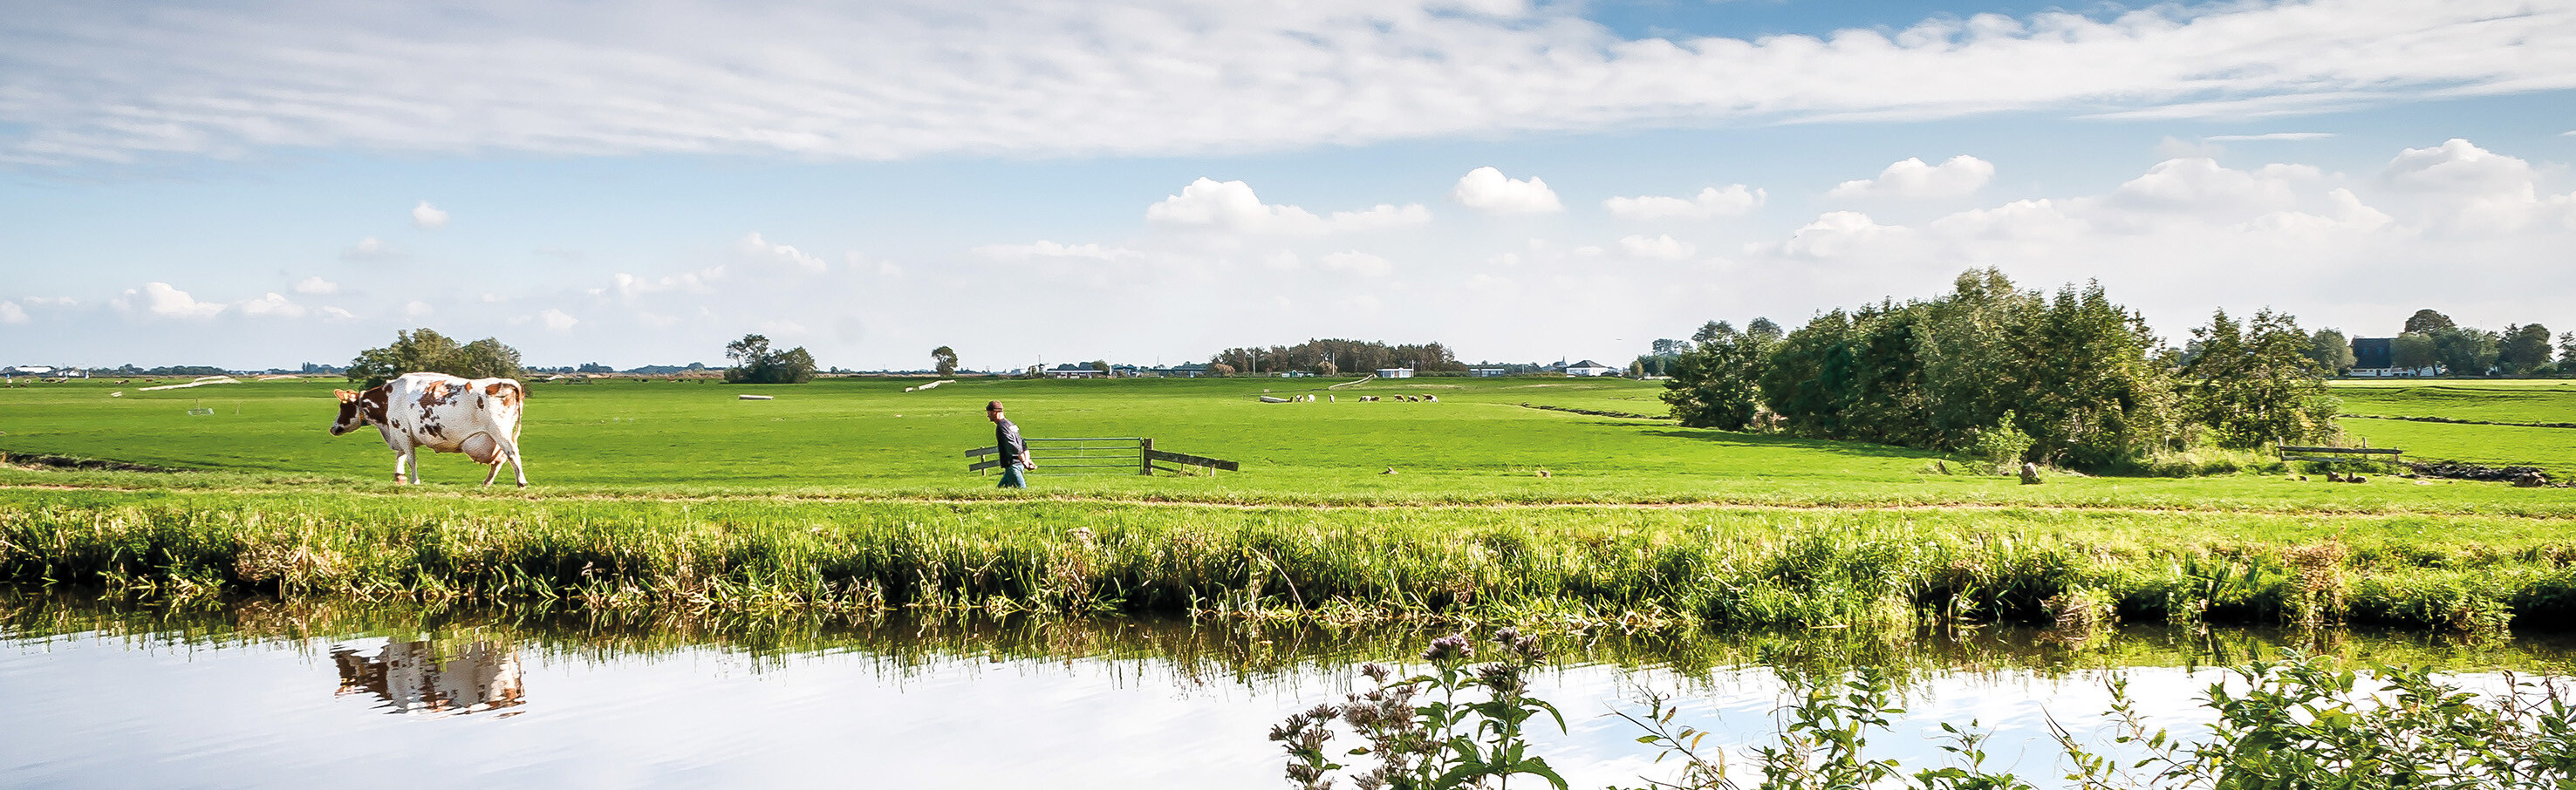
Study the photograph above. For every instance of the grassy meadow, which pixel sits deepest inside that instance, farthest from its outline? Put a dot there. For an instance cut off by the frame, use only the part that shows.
(870, 438)
(852, 496)
(2516, 406)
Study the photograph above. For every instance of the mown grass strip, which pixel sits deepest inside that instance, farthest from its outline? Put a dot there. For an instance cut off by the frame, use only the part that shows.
(1677, 569)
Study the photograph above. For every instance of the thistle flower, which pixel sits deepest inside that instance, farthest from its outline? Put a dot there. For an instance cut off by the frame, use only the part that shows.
(1448, 648)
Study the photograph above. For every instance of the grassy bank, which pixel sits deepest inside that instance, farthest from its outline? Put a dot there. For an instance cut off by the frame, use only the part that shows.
(1654, 569)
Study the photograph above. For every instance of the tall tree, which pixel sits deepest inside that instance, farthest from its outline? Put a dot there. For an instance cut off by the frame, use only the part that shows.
(2465, 351)
(2566, 352)
(2427, 321)
(2413, 350)
(755, 363)
(2331, 350)
(946, 359)
(2256, 383)
(2524, 347)
(1718, 383)
(427, 351)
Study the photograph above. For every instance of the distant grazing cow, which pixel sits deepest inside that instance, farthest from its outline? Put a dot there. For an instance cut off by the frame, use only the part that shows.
(477, 417)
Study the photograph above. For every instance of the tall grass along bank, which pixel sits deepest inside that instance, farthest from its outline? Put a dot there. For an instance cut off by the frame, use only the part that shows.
(1659, 569)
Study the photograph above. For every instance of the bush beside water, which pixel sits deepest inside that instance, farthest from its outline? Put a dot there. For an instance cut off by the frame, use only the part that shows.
(1680, 569)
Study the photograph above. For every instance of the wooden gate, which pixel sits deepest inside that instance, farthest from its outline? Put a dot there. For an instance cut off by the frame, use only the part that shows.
(1120, 453)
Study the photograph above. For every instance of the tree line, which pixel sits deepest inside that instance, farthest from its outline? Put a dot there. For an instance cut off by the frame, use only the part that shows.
(2433, 340)
(1334, 357)
(2069, 378)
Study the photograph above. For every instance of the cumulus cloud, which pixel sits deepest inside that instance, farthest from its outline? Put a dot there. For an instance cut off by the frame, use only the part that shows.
(417, 309)
(162, 300)
(763, 249)
(371, 249)
(11, 313)
(556, 320)
(316, 285)
(1486, 189)
(272, 305)
(1232, 206)
(1961, 176)
(1356, 262)
(1664, 248)
(428, 217)
(1735, 199)
(2471, 189)
(92, 82)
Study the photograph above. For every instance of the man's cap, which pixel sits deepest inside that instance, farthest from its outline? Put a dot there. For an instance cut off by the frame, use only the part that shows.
(993, 406)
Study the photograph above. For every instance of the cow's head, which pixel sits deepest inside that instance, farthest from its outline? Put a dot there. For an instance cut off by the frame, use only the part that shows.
(353, 409)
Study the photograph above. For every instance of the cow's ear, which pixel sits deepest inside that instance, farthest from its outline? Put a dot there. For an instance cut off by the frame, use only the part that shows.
(345, 396)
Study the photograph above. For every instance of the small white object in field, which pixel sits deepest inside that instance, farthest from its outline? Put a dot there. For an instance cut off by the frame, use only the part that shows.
(1389, 470)
(118, 394)
(754, 397)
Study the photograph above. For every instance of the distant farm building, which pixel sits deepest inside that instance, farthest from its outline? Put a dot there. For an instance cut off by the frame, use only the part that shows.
(2377, 357)
(1395, 373)
(1072, 371)
(1589, 368)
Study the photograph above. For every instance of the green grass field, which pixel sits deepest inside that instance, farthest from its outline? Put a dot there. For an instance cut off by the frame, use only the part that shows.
(2530, 402)
(869, 438)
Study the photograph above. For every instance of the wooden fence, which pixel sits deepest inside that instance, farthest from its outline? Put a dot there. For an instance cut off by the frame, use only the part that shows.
(2344, 455)
(1121, 453)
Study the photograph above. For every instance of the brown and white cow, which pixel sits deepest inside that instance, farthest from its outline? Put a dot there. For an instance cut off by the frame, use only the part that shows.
(448, 414)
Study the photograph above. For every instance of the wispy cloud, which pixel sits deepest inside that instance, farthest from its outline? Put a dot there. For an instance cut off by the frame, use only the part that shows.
(2230, 138)
(96, 82)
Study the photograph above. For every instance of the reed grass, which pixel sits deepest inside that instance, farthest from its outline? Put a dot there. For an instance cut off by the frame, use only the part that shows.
(1680, 569)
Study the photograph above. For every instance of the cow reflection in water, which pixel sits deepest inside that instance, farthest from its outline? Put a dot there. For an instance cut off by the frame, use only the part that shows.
(478, 677)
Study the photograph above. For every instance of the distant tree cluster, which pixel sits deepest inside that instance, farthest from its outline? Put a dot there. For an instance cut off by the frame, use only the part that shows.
(2433, 340)
(755, 363)
(166, 370)
(1334, 357)
(427, 351)
(2071, 378)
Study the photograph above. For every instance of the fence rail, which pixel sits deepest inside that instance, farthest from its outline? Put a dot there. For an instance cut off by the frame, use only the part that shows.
(1097, 452)
(2343, 455)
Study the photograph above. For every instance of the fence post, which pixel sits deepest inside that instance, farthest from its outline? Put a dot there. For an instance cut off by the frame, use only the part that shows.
(1145, 457)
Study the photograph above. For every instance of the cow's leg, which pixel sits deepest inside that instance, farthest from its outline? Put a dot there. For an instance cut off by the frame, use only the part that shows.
(403, 462)
(510, 450)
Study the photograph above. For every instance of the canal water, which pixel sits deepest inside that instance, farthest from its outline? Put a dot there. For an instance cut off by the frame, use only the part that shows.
(298, 694)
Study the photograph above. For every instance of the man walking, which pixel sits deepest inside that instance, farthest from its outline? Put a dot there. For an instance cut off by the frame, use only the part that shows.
(1014, 450)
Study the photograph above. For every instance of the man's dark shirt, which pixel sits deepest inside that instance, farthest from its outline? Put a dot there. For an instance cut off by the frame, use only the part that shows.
(1006, 440)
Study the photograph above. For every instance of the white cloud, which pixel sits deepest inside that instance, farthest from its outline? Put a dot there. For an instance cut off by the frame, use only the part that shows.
(2467, 189)
(891, 80)
(272, 305)
(1736, 199)
(762, 249)
(316, 285)
(371, 249)
(11, 313)
(337, 314)
(1836, 233)
(1049, 249)
(428, 217)
(1232, 206)
(165, 301)
(628, 286)
(1664, 248)
(557, 320)
(2285, 136)
(1961, 176)
(1356, 262)
(417, 309)
(1486, 189)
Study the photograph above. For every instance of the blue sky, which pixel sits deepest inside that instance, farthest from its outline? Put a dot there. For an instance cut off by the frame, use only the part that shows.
(266, 183)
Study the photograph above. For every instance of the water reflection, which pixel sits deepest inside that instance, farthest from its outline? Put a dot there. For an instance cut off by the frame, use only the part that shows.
(100, 693)
(415, 678)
